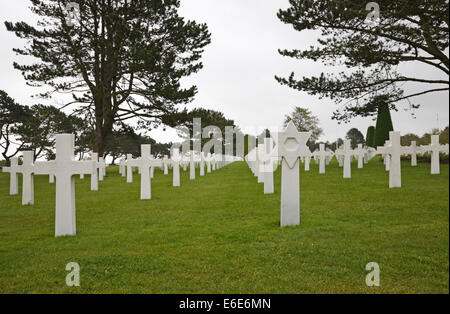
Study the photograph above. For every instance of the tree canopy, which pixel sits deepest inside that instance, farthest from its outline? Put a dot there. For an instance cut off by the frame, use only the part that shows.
(370, 136)
(355, 136)
(119, 59)
(304, 121)
(370, 50)
(384, 125)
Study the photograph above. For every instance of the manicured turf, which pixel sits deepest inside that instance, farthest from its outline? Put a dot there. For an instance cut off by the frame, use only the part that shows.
(221, 234)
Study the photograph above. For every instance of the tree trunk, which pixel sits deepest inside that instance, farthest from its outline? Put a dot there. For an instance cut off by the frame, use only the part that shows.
(98, 141)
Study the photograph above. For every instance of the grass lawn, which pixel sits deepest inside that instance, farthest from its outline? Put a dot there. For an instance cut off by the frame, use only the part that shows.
(221, 234)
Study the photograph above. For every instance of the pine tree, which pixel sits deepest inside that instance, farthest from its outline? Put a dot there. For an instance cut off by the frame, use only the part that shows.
(370, 136)
(383, 126)
(120, 60)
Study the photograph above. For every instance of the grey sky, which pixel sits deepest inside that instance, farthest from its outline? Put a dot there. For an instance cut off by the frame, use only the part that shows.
(239, 68)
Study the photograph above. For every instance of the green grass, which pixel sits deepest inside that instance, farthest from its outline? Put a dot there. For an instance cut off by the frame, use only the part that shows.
(221, 234)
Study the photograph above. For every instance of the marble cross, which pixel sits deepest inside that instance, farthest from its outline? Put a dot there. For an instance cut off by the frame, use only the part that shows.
(64, 168)
(307, 160)
(260, 163)
(122, 169)
(291, 146)
(94, 172)
(435, 148)
(347, 153)
(213, 162)
(202, 164)
(393, 151)
(101, 168)
(340, 155)
(144, 163)
(166, 164)
(329, 157)
(360, 153)
(386, 157)
(413, 151)
(13, 176)
(129, 168)
(176, 159)
(267, 155)
(27, 170)
(191, 166)
(322, 154)
(208, 163)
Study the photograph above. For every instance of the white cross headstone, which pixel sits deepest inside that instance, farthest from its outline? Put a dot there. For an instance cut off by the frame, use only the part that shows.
(64, 168)
(387, 158)
(291, 146)
(166, 164)
(339, 153)
(27, 170)
(213, 164)
(322, 154)
(94, 172)
(267, 155)
(394, 151)
(191, 166)
(145, 163)
(435, 148)
(176, 158)
(260, 164)
(360, 153)
(13, 176)
(307, 160)
(122, 170)
(414, 150)
(208, 163)
(101, 168)
(129, 168)
(329, 157)
(202, 164)
(348, 153)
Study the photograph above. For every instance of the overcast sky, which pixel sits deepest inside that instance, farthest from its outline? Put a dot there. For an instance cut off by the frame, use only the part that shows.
(239, 68)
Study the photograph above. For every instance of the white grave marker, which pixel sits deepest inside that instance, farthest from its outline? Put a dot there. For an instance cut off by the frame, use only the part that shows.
(435, 148)
(64, 168)
(394, 152)
(292, 145)
(176, 158)
(348, 153)
(13, 176)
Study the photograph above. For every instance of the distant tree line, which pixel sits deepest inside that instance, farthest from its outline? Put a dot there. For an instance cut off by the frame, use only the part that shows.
(34, 128)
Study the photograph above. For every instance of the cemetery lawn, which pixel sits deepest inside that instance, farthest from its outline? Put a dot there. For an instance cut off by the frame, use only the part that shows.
(221, 234)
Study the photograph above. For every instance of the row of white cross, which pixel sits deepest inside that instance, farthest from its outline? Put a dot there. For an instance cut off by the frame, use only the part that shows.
(287, 147)
(64, 168)
(147, 163)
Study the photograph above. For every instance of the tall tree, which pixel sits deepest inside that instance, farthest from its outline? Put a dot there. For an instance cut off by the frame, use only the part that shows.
(208, 118)
(304, 121)
(384, 125)
(120, 59)
(406, 139)
(443, 137)
(12, 117)
(355, 136)
(370, 49)
(370, 136)
(39, 130)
